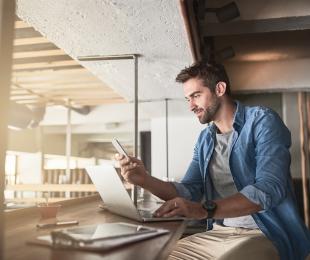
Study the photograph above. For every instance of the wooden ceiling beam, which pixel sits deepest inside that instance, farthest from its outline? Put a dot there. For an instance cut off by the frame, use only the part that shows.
(56, 80)
(67, 85)
(73, 67)
(34, 47)
(52, 73)
(41, 59)
(40, 53)
(42, 65)
(28, 32)
(21, 24)
(28, 41)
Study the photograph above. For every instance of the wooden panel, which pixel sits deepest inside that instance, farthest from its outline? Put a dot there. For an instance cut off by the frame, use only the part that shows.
(45, 65)
(45, 75)
(35, 47)
(52, 74)
(51, 187)
(26, 33)
(47, 68)
(21, 24)
(41, 59)
(27, 41)
(44, 53)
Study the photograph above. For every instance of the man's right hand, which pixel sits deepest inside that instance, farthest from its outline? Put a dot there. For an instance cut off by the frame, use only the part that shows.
(132, 170)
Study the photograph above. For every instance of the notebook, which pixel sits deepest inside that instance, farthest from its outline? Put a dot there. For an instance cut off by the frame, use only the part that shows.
(115, 196)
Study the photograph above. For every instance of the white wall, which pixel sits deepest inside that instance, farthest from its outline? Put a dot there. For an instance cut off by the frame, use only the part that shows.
(183, 133)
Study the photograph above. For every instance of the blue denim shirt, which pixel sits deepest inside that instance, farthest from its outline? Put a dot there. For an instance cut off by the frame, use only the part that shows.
(260, 165)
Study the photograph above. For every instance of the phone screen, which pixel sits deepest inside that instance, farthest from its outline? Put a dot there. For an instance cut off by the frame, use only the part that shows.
(119, 148)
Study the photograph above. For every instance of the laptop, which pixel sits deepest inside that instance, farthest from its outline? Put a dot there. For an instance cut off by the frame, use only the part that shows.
(115, 196)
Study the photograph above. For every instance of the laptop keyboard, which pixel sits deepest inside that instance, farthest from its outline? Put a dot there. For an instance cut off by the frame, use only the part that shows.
(146, 213)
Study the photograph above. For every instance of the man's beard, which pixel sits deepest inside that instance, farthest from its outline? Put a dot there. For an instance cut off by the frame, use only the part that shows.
(209, 113)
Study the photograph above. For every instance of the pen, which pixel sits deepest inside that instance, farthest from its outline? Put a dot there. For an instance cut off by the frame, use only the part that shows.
(57, 224)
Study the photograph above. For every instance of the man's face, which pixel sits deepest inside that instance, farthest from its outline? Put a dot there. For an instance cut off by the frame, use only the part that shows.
(201, 100)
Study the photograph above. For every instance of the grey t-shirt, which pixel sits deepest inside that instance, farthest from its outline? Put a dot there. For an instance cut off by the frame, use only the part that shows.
(222, 179)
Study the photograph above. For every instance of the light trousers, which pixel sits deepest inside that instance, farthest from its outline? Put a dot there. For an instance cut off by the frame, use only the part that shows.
(225, 243)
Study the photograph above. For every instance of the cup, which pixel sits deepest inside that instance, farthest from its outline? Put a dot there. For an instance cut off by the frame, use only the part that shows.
(48, 211)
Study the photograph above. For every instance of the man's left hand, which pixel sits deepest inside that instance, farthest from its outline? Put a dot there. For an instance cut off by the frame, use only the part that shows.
(181, 207)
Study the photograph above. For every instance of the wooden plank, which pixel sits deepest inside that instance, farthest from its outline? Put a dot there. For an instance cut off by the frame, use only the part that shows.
(36, 200)
(68, 85)
(57, 79)
(23, 97)
(51, 73)
(41, 59)
(28, 32)
(47, 68)
(51, 187)
(27, 41)
(35, 47)
(21, 24)
(40, 65)
(18, 91)
(63, 85)
(59, 90)
(41, 53)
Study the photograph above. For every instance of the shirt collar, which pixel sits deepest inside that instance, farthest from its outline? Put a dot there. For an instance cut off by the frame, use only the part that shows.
(238, 120)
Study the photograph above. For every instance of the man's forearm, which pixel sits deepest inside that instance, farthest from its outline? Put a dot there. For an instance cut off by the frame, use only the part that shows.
(162, 189)
(235, 206)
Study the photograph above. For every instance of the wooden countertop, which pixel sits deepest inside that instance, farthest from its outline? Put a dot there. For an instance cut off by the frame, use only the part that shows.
(20, 227)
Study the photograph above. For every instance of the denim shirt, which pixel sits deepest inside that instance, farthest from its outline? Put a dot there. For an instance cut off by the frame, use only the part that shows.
(260, 165)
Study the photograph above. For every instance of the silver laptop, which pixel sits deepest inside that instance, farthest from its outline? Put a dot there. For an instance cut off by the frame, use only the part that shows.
(115, 196)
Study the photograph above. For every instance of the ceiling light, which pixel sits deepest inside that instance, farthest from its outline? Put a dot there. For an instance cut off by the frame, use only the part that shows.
(224, 14)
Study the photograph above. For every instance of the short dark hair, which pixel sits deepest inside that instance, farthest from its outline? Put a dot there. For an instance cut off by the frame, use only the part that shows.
(209, 73)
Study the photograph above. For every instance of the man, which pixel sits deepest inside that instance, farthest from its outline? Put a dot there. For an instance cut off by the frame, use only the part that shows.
(239, 178)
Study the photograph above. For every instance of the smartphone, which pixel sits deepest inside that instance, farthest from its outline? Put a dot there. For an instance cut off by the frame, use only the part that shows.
(119, 148)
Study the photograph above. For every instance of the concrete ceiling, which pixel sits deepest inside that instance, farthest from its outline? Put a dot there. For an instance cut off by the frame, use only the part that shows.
(153, 29)
(270, 39)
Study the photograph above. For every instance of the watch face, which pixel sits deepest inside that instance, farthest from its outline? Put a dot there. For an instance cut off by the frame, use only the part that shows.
(210, 205)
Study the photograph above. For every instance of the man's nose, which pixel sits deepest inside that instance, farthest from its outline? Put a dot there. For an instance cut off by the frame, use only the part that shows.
(191, 105)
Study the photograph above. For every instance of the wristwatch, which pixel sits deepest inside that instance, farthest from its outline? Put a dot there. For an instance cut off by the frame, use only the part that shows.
(210, 206)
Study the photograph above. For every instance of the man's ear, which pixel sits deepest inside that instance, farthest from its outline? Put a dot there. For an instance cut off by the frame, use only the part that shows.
(220, 88)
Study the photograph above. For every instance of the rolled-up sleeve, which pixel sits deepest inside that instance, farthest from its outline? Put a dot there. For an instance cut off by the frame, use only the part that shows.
(182, 190)
(256, 196)
(272, 162)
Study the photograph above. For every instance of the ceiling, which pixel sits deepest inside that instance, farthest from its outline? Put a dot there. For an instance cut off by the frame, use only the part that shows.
(44, 75)
(270, 40)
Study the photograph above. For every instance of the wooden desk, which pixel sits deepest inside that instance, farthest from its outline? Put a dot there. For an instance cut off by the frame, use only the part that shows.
(20, 228)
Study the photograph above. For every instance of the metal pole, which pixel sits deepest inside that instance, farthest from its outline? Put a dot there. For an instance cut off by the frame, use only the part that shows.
(136, 100)
(167, 145)
(68, 142)
(135, 138)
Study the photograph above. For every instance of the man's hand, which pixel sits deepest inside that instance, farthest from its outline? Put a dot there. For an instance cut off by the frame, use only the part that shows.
(132, 170)
(181, 207)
